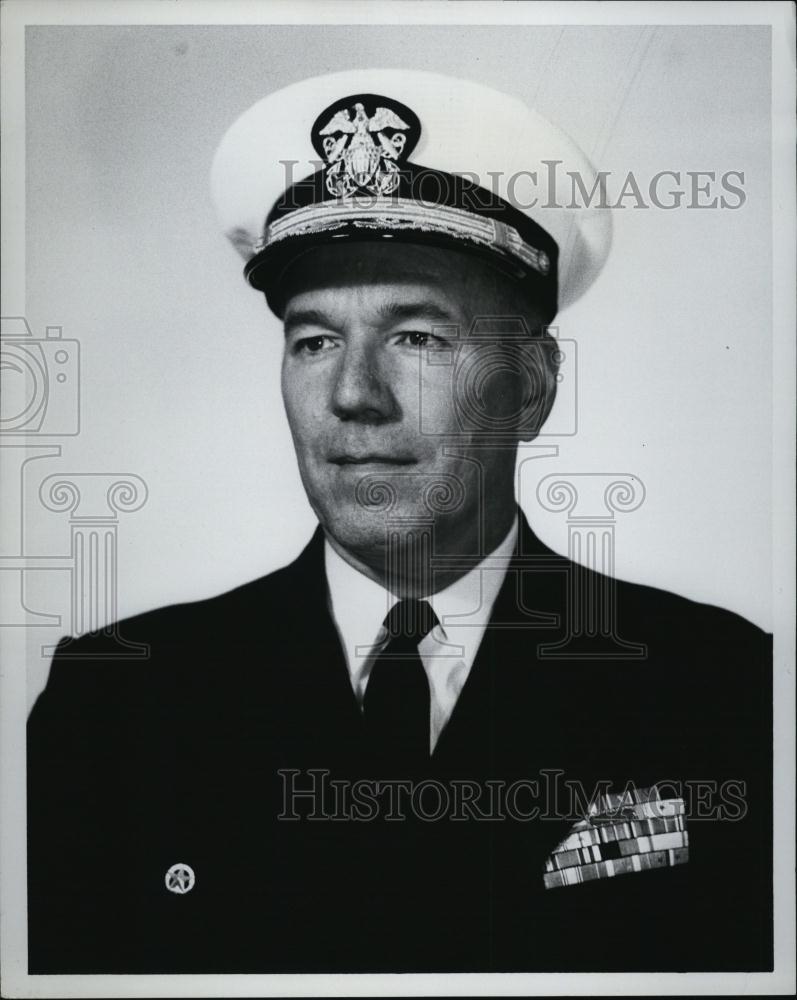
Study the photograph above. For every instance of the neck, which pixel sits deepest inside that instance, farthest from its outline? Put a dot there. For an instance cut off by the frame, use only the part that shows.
(405, 565)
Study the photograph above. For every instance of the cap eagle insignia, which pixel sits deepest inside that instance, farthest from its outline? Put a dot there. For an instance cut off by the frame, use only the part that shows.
(363, 151)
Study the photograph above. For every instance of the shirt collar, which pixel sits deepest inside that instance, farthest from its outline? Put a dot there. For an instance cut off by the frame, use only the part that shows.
(359, 605)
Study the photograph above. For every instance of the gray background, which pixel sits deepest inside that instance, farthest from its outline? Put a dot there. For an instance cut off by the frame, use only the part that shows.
(180, 359)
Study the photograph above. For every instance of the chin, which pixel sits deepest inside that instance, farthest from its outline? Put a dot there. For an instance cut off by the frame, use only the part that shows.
(363, 530)
(360, 510)
(357, 532)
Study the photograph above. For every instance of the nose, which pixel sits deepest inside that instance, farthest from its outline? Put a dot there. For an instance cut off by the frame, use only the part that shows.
(362, 392)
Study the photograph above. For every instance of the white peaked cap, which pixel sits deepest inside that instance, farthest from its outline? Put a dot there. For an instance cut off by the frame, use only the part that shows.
(466, 129)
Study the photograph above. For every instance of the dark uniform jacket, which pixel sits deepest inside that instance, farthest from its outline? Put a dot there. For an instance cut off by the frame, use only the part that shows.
(192, 756)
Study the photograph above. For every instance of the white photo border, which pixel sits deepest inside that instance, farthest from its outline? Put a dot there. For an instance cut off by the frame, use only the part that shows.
(16, 15)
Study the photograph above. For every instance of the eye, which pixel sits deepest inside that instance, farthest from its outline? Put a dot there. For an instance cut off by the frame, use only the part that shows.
(313, 345)
(418, 338)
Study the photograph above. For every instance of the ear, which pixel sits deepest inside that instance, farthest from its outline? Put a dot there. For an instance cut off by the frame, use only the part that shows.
(539, 384)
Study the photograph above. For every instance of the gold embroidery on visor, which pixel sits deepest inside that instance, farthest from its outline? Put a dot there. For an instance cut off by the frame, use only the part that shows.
(400, 215)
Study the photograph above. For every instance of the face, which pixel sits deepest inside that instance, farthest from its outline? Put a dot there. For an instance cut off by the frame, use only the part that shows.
(388, 392)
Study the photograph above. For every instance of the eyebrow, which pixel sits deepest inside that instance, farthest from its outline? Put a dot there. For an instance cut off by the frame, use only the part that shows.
(390, 311)
(414, 310)
(307, 317)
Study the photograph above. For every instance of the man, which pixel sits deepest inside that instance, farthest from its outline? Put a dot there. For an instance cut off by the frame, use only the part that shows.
(389, 755)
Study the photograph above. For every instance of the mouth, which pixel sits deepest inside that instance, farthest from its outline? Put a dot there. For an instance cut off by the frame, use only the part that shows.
(373, 459)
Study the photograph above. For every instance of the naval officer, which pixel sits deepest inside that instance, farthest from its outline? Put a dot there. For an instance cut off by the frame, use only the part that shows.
(256, 796)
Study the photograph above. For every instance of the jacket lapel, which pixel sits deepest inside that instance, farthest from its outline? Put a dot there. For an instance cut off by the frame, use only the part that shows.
(314, 661)
(503, 671)
(492, 711)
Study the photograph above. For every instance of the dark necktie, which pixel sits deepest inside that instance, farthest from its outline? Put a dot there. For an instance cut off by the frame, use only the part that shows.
(396, 704)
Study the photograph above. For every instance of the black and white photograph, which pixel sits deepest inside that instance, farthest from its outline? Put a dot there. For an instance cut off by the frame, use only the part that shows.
(397, 470)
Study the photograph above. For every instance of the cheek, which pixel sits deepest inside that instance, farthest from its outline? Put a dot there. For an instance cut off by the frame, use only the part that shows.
(432, 407)
(502, 394)
(303, 401)
(489, 398)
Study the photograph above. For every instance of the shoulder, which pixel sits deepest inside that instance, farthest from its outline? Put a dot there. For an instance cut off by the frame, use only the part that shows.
(641, 644)
(265, 597)
(182, 642)
(584, 598)
(681, 618)
(698, 646)
(671, 628)
(706, 666)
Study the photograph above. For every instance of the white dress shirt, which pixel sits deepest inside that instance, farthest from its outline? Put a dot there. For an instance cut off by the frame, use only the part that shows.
(359, 607)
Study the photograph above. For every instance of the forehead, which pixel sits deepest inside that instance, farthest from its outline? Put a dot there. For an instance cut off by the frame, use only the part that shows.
(368, 275)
